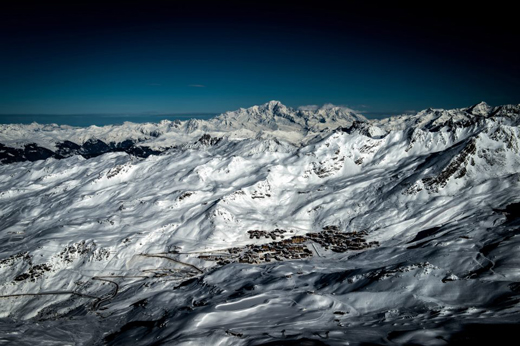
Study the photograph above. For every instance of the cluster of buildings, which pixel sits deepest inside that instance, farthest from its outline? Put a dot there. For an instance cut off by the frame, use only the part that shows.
(291, 247)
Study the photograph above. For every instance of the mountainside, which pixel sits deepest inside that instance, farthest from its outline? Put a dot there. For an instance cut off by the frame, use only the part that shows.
(264, 226)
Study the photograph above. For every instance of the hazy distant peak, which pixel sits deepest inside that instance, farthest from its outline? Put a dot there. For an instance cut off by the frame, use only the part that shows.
(308, 108)
(331, 106)
(326, 106)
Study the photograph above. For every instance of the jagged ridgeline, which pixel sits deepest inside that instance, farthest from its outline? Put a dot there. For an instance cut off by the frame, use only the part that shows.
(262, 226)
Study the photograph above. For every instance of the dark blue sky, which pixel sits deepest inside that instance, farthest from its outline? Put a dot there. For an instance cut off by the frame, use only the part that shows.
(181, 57)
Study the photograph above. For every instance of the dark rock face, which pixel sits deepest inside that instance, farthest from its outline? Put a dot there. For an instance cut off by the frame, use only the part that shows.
(356, 126)
(206, 139)
(67, 148)
(126, 144)
(456, 168)
(10, 155)
(141, 151)
(91, 148)
(94, 147)
(31, 152)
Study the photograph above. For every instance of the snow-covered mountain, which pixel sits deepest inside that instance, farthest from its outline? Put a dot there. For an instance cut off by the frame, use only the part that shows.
(265, 226)
(271, 120)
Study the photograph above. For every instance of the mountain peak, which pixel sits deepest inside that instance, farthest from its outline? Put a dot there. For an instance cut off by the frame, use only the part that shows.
(272, 105)
(481, 109)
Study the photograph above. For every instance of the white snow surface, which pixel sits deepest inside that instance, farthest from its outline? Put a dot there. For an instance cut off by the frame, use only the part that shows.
(119, 237)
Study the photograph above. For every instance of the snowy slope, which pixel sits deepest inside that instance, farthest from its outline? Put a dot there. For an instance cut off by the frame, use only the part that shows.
(119, 249)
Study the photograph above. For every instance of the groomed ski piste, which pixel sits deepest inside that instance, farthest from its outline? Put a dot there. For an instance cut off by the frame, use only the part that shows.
(264, 226)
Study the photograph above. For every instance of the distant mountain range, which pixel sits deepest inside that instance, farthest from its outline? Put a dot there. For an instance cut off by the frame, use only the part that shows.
(271, 120)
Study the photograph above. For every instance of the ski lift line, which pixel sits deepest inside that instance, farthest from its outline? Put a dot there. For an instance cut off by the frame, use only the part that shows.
(316, 250)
